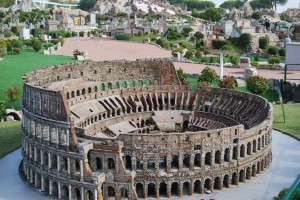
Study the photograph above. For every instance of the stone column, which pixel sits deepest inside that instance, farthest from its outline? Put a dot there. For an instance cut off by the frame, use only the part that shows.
(95, 194)
(58, 163)
(67, 139)
(31, 175)
(57, 136)
(191, 189)
(221, 66)
(49, 160)
(70, 192)
(48, 134)
(146, 190)
(81, 170)
(169, 193)
(180, 159)
(180, 190)
(59, 190)
(42, 156)
(192, 158)
(82, 193)
(69, 166)
(42, 183)
(50, 187)
(34, 153)
(157, 190)
(35, 180)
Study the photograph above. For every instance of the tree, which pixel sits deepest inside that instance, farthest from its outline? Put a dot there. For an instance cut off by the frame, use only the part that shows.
(272, 50)
(36, 45)
(244, 41)
(3, 49)
(263, 42)
(12, 94)
(208, 74)
(199, 35)
(210, 14)
(2, 110)
(231, 4)
(86, 4)
(186, 31)
(17, 44)
(257, 84)
(181, 74)
(283, 192)
(256, 15)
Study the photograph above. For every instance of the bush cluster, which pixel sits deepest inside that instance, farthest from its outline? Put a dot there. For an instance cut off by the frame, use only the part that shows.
(257, 84)
(208, 74)
(227, 47)
(122, 36)
(274, 60)
(281, 52)
(217, 44)
(263, 42)
(272, 50)
(3, 49)
(228, 83)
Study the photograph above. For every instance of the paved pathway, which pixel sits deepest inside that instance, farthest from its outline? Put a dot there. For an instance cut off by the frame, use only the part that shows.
(284, 169)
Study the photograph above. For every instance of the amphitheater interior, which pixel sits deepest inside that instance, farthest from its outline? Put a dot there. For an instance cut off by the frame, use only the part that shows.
(130, 130)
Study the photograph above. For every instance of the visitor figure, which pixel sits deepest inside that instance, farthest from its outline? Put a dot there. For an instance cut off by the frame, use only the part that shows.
(275, 26)
(278, 24)
(267, 25)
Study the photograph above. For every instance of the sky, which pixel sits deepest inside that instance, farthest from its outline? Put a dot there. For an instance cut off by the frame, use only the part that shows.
(290, 4)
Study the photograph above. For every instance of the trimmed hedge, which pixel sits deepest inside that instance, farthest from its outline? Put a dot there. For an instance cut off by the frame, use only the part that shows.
(257, 84)
(217, 44)
(263, 42)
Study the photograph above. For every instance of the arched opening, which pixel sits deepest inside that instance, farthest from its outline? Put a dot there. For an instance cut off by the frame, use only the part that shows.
(254, 146)
(197, 161)
(128, 164)
(45, 158)
(124, 84)
(163, 192)
(258, 144)
(89, 90)
(217, 183)
(207, 184)
(72, 94)
(227, 155)
(197, 187)
(89, 195)
(208, 158)
(262, 141)
(68, 95)
(83, 91)
(117, 85)
(76, 194)
(148, 83)
(110, 163)
(54, 189)
(175, 163)
(248, 173)
(234, 180)
(242, 176)
(151, 190)
(258, 167)
(53, 161)
(185, 125)
(102, 86)
(98, 164)
(46, 185)
(64, 164)
(139, 190)
(163, 165)
(109, 86)
(235, 153)
(262, 165)
(249, 148)
(175, 189)
(253, 170)
(140, 83)
(77, 166)
(186, 188)
(132, 84)
(226, 181)
(64, 192)
(124, 192)
(95, 89)
(111, 191)
(218, 157)
(186, 161)
(242, 151)
(77, 93)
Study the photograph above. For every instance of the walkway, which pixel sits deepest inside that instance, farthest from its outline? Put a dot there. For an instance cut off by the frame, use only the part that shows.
(282, 172)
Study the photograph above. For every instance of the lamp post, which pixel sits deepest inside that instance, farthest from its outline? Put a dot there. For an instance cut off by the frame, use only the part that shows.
(221, 66)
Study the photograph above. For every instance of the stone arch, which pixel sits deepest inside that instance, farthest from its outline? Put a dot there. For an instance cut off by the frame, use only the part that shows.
(117, 85)
(226, 181)
(235, 153)
(83, 91)
(72, 94)
(140, 83)
(217, 183)
(258, 167)
(253, 170)
(54, 189)
(111, 191)
(175, 162)
(148, 83)
(46, 185)
(139, 188)
(258, 144)
(124, 192)
(95, 89)
(68, 95)
(186, 188)
(132, 83)
(76, 194)
(45, 158)
(254, 146)
(124, 84)
(234, 179)
(227, 155)
(89, 195)
(98, 163)
(102, 87)
(63, 164)
(208, 158)
(64, 192)
(217, 157)
(77, 93)
(249, 148)
(110, 163)
(175, 189)
(197, 160)
(248, 173)
(197, 187)
(262, 165)
(109, 86)
(242, 176)
(89, 90)
(163, 191)
(186, 161)
(242, 151)
(262, 141)
(207, 184)
(151, 190)
(128, 163)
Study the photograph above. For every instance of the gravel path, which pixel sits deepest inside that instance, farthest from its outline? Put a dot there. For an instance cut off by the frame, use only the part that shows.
(284, 169)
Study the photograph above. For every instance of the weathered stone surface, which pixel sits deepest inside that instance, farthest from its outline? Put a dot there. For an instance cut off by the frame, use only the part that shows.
(254, 44)
(250, 72)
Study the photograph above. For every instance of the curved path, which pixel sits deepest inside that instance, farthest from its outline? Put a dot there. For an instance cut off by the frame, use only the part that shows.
(281, 173)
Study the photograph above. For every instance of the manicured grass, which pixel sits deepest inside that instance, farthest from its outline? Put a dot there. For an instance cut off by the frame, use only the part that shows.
(10, 137)
(291, 125)
(15, 65)
(227, 59)
(142, 37)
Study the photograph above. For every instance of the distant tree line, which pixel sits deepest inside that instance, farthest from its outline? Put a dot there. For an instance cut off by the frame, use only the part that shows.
(255, 4)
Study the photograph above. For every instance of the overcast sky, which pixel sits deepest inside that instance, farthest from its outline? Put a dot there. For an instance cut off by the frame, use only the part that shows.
(290, 4)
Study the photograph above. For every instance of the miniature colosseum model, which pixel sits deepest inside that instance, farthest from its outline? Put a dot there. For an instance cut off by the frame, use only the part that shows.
(129, 130)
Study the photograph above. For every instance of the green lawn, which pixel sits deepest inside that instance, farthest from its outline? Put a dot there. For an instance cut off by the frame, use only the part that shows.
(14, 66)
(10, 137)
(291, 125)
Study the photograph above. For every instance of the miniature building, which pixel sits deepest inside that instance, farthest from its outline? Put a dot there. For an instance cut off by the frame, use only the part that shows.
(114, 129)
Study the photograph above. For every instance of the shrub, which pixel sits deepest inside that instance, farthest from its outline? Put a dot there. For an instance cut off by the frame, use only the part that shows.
(14, 29)
(227, 47)
(8, 34)
(274, 60)
(244, 41)
(272, 50)
(89, 34)
(62, 41)
(9, 45)
(74, 34)
(81, 33)
(36, 45)
(281, 52)
(217, 44)
(263, 42)
(2, 110)
(198, 54)
(211, 59)
(257, 84)
(189, 54)
(3, 49)
(199, 43)
(204, 85)
(68, 34)
(208, 74)
(17, 50)
(203, 59)
(181, 74)
(165, 45)
(27, 43)
(256, 58)
(255, 64)
(228, 83)
(36, 32)
(54, 41)
(234, 61)
(122, 36)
